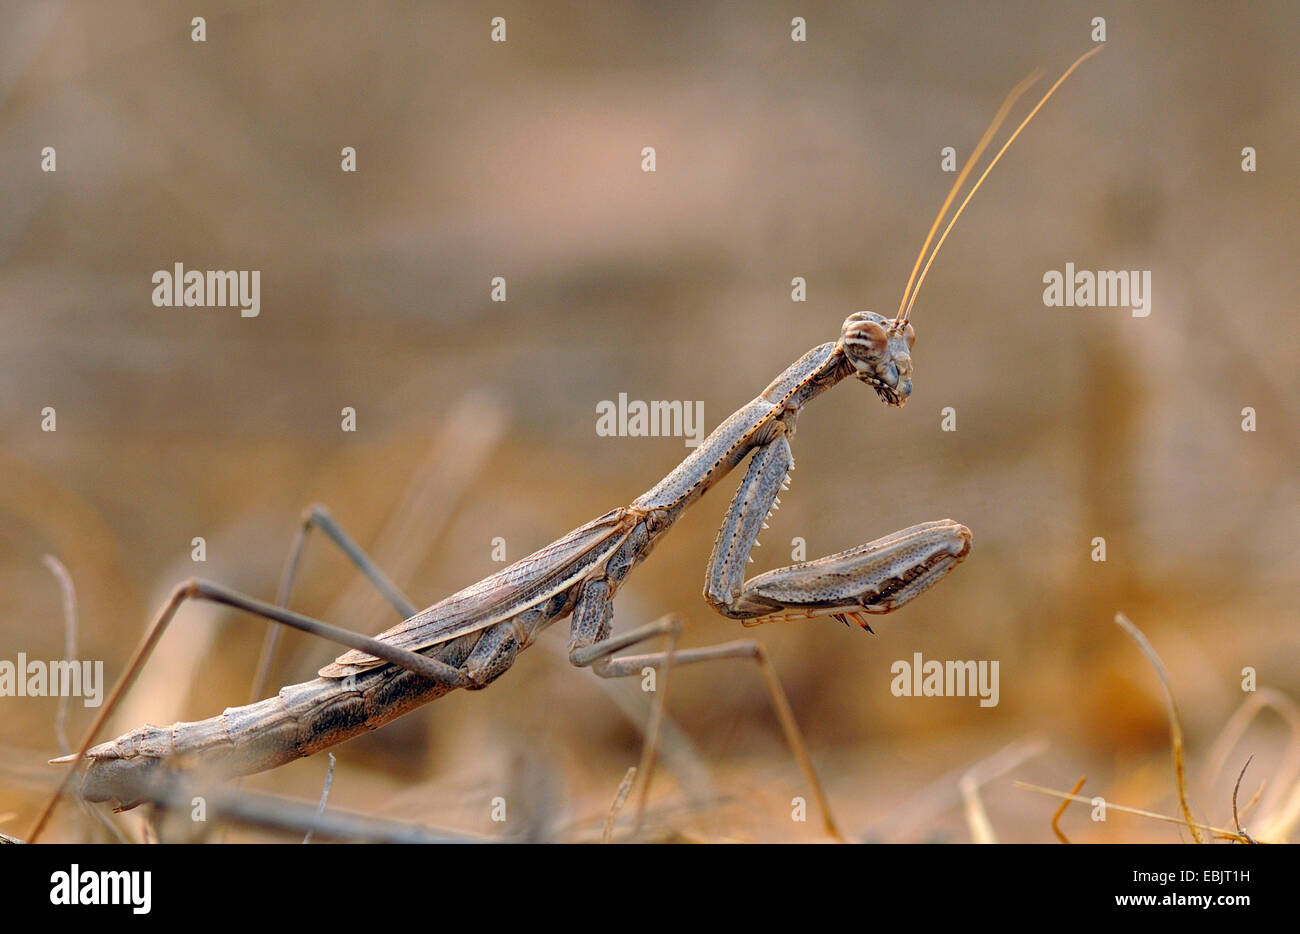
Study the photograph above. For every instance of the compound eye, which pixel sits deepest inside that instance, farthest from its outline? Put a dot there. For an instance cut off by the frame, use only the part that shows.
(866, 339)
(909, 335)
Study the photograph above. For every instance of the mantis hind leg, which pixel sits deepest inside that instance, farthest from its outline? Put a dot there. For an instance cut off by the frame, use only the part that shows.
(318, 516)
(591, 645)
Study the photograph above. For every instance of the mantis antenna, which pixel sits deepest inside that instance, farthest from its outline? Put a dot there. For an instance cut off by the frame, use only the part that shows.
(906, 306)
(978, 151)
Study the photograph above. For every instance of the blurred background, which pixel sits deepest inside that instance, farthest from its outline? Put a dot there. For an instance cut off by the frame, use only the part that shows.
(476, 419)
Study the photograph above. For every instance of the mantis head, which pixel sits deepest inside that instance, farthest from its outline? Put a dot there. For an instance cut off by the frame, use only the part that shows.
(881, 353)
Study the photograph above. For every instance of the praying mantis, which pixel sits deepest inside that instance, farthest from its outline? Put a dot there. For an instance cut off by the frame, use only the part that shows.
(474, 636)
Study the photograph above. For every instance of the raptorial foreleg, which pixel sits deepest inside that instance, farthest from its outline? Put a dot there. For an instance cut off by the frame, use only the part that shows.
(877, 577)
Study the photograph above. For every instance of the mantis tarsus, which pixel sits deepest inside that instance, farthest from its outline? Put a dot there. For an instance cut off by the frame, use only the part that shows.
(472, 637)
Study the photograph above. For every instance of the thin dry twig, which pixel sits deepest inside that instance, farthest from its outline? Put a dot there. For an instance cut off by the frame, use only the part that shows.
(1236, 819)
(620, 796)
(324, 796)
(1218, 831)
(1175, 727)
(1060, 812)
(985, 771)
(1282, 810)
(70, 627)
(646, 767)
(1254, 799)
(276, 813)
(69, 644)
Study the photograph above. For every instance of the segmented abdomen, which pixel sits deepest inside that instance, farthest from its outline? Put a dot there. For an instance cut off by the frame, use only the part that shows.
(300, 720)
